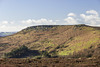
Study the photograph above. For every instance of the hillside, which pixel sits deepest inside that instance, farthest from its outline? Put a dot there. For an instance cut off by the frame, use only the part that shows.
(57, 40)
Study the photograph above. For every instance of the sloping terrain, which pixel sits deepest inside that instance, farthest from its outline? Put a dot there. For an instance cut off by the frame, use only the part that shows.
(57, 40)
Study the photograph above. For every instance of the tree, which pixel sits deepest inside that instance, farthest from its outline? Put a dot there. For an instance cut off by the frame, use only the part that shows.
(17, 53)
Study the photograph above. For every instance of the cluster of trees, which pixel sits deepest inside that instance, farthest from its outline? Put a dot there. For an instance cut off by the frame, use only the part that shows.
(18, 53)
(23, 51)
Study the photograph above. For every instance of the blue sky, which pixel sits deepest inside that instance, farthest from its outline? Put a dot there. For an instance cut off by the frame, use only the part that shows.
(18, 14)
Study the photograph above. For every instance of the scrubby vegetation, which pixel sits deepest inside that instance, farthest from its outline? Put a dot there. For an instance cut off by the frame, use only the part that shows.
(50, 62)
(87, 53)
(18, 53)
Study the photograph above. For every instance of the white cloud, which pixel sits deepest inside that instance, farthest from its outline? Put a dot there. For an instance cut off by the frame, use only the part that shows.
(29, 21)
(91, 18)
(71, 20)
(4, 28)
(92, 12)
(17, 26)
(71, 14)
(39, 21)
(4, 22)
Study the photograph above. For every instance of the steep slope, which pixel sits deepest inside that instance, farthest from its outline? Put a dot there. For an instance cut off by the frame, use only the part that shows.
(58, 40)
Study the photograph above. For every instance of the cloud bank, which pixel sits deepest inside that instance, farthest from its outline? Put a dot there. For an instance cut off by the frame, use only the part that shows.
(90, 17)
(41, 21)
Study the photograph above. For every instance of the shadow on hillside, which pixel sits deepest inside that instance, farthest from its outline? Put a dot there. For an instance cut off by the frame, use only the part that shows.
(31, 53)
(22, 52)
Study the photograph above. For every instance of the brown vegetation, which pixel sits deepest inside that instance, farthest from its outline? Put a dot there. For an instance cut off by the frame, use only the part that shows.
(51, 62)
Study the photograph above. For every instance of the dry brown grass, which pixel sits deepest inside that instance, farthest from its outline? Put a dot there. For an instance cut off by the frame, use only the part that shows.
(51, 62)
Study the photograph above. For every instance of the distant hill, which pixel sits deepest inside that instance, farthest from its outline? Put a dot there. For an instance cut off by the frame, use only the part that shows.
(2, 34)
(57, 40)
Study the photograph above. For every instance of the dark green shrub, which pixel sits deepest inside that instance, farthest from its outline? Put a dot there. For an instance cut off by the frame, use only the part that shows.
(17, 53)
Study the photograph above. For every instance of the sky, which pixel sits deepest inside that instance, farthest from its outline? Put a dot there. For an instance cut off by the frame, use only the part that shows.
(16, 15)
